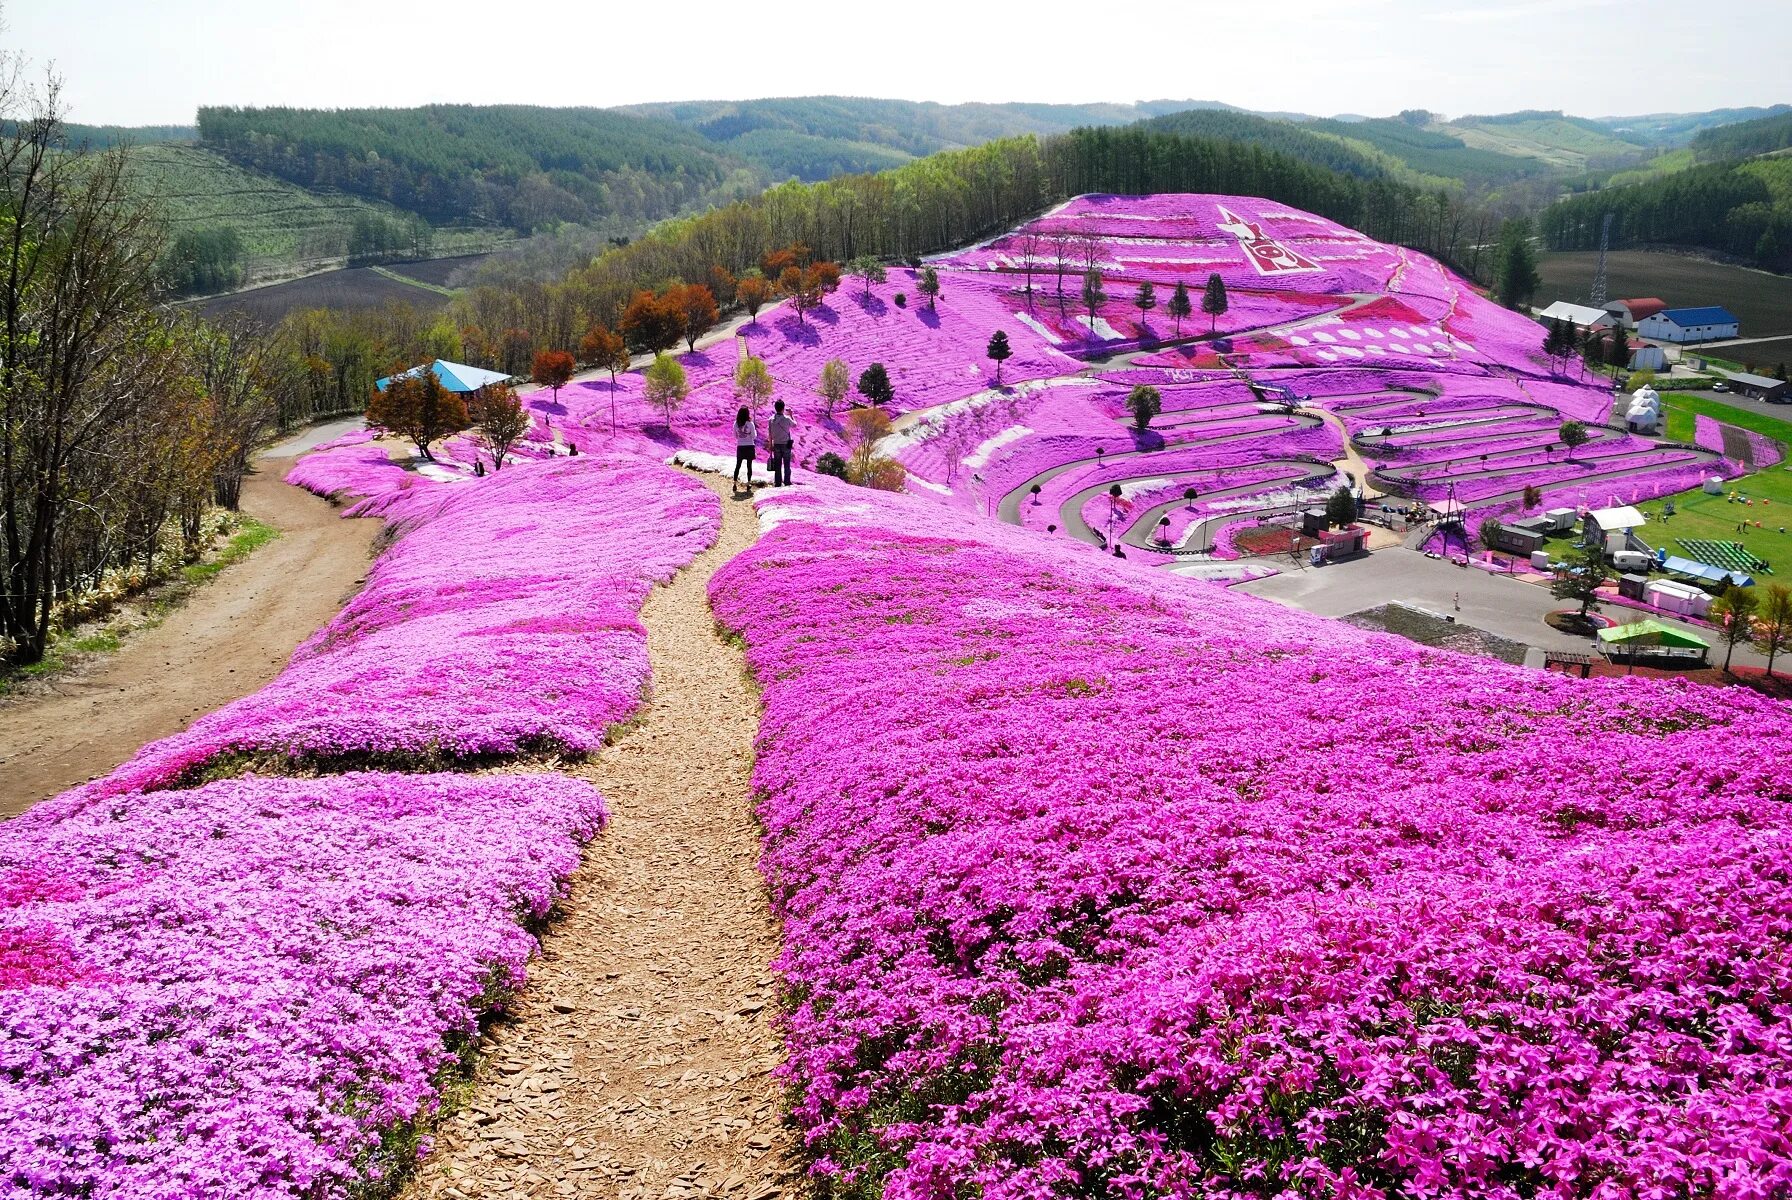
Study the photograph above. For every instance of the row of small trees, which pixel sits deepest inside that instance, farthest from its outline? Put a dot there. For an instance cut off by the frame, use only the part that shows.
(121, 421)
(1563, 340)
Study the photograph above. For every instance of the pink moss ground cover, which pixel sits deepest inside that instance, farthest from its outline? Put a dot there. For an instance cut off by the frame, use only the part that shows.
(1095, 881)
(353, 465)
(254, 989)
(503, 618)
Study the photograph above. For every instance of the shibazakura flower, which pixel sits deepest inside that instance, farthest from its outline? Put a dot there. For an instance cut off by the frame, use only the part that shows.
(254, 988)
(502, 617)
(1093, 878)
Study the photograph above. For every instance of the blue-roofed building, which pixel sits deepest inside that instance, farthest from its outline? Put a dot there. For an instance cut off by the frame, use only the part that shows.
(1710, 324)
(455, 377)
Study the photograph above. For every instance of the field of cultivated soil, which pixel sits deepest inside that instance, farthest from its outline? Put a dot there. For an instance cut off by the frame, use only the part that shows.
(1762, 301)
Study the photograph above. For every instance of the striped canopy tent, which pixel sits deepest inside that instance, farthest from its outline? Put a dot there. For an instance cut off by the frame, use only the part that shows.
(456, 377)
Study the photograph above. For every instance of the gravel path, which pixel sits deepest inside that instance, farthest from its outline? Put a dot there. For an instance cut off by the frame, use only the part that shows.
(638, 1062)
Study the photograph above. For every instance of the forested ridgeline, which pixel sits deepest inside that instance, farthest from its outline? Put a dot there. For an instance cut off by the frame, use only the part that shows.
(951, 199)
(933, 204)
(1745, 139)
(517, 165)
(1741, 208)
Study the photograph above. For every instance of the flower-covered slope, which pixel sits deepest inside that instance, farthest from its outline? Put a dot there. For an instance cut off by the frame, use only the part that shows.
(253, 989)
(1094, 882)
(503, 617)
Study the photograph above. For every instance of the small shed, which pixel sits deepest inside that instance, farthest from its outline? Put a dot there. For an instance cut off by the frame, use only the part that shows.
(1601, 523)
(1314, 521)
(1342, 543)
(1761, 387)
(1676, 597)
(1646, 356)
(1631, 587)
(1520, 537)
(1652, 639)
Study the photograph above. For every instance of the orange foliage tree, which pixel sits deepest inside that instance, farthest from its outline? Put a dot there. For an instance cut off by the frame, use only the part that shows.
(500, 418)
(753, 291)
(698, 304)
(554, 368)
(653, 323)
(418, 407)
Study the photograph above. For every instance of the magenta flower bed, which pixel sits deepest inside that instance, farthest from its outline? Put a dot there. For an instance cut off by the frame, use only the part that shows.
(353, 465)
(1093, 880)
(502, 619)
(254, 988)
(1764, 451)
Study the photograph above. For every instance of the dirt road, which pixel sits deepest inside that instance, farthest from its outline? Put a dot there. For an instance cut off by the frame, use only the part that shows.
(233, 635)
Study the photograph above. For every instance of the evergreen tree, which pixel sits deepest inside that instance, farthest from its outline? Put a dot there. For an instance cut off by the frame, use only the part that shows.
(1144, 402)
(1573, 435)
(1093, 296)
(999, 351)
(874, 384)
(1213, 301)
(1179, 306)
(1145, 300)
(1340, 508)
(1517, 279)
(929, 285)
(1579, 577)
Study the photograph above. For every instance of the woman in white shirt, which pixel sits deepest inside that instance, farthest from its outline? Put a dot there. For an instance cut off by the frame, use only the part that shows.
(746, 444)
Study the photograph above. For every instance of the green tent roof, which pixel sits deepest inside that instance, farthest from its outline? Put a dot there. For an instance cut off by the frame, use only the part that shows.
(1652, 633)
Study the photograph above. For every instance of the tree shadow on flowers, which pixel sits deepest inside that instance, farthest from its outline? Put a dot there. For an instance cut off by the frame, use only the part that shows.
(798, 332)
(871, 305)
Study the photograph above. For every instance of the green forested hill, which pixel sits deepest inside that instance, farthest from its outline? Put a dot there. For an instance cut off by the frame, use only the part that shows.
(1745, 139)
(1738, 208)
(516, 165)
(806, 136)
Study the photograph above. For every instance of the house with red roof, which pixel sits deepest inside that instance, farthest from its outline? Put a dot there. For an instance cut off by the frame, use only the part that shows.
(1630, 312)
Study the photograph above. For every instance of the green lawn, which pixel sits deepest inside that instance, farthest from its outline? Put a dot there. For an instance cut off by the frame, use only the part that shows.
(1715, 517)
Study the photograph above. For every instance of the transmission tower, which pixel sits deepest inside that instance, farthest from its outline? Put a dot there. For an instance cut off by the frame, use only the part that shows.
(1597, 299)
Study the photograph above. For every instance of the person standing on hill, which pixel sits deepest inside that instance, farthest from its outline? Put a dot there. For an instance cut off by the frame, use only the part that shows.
(746, 444)
(782, 433)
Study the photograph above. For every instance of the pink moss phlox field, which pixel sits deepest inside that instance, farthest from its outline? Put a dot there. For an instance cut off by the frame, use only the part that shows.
(351, 466)
(1095, 881)
(261, 982)
(502, 618)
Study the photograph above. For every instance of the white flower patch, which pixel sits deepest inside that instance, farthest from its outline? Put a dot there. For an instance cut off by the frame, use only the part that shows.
(1038, 328)
(980, 456)
(1100, 328)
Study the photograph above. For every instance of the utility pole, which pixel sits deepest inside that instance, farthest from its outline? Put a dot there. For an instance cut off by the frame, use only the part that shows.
(1597, 298)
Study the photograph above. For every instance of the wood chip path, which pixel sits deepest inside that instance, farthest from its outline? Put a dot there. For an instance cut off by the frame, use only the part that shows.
(637, 1064)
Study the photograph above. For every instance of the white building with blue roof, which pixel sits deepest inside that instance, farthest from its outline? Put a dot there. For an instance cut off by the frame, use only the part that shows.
(1709, 324)
(455, 377)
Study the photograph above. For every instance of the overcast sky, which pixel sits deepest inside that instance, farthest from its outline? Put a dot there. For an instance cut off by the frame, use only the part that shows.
(142, 62)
